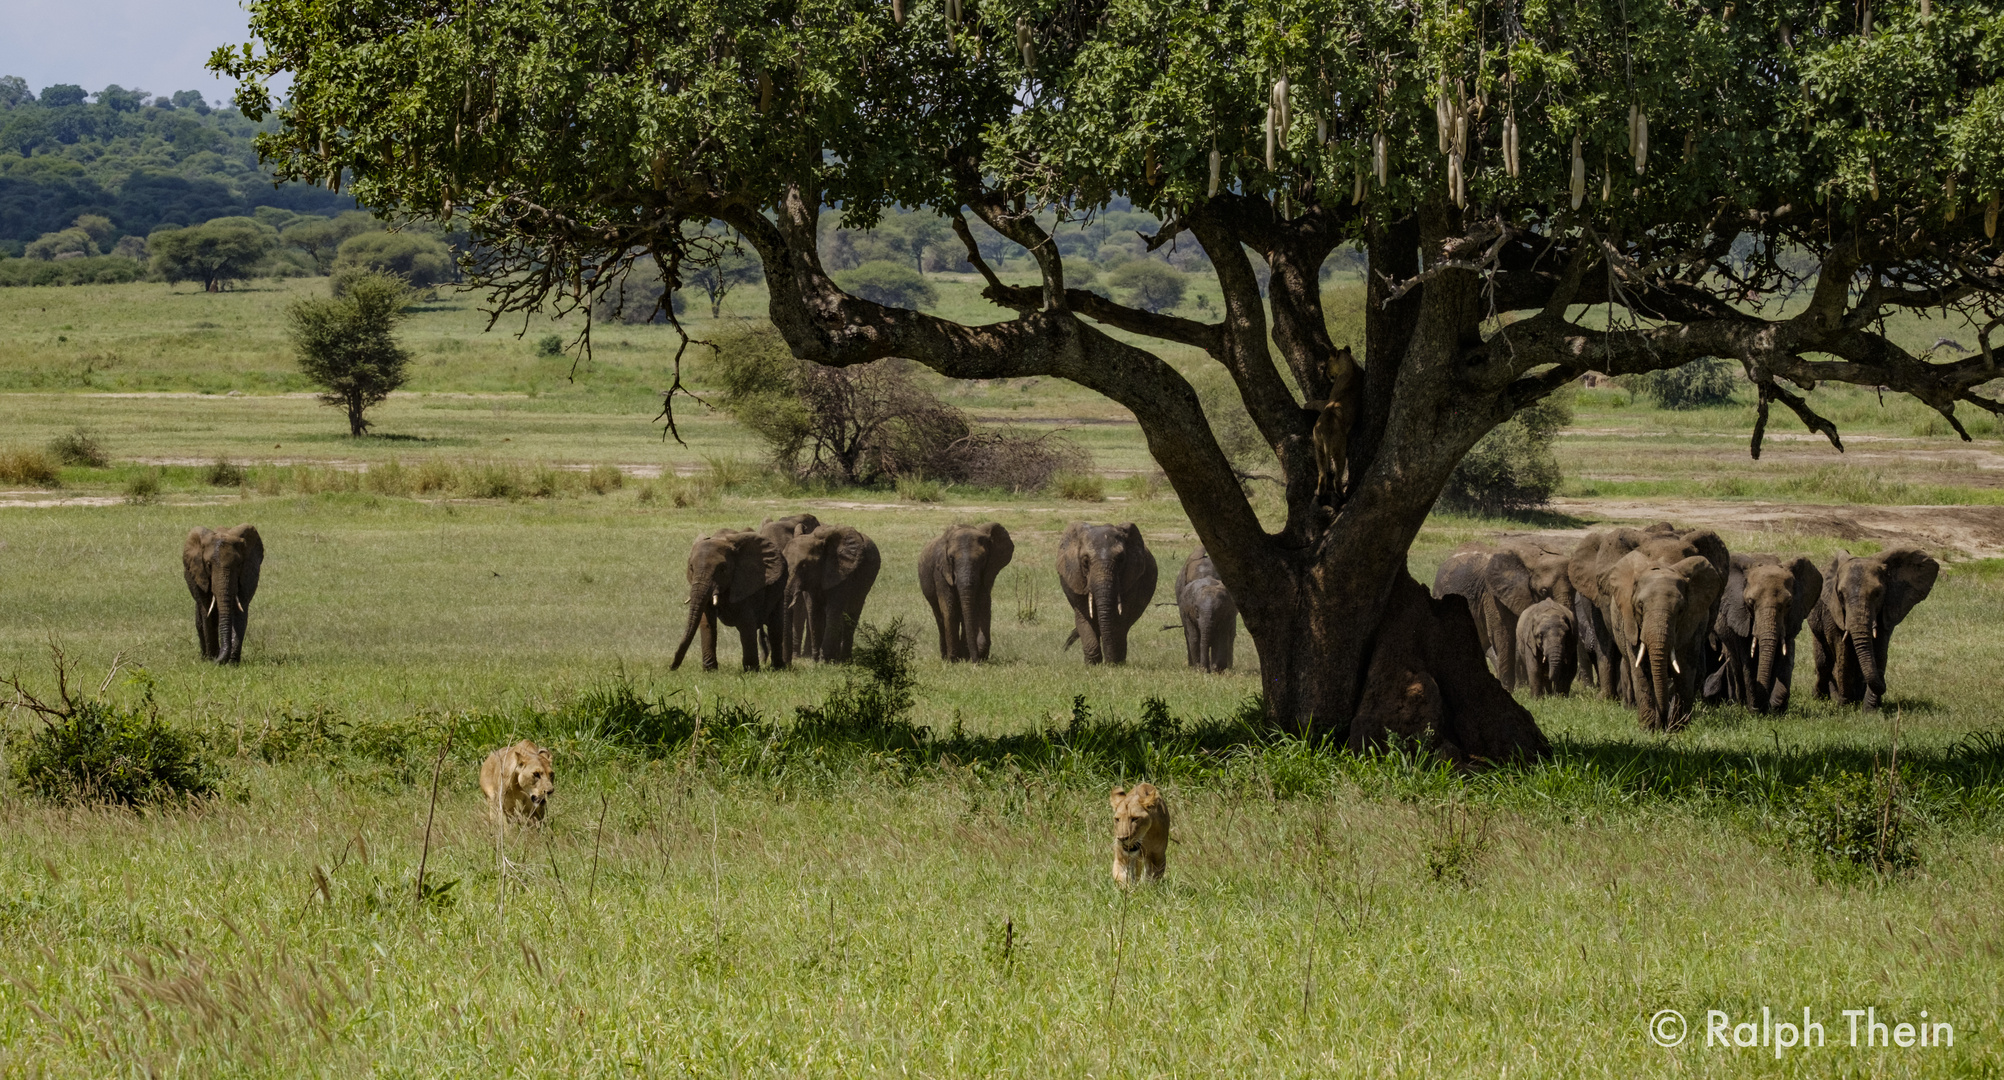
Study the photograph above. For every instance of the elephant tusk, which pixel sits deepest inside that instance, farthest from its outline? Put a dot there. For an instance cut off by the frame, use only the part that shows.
(1673, 664)
(212, 607)
(1640, 652)
(240, 604)
(1089, 614)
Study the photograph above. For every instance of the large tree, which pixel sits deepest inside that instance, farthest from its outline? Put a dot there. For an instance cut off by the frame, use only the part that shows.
(1542, 189)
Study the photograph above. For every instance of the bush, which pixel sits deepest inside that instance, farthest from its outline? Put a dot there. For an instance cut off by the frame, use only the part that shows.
(1149, 285)
(21, 465)
(604, 478)
(1852, 824)
(870, 710)
(423, 261)
(97, 270)
(347, 345)
(550, 345)
(1512, 469)
(224, 473)
(143, 486)
(921, 491)
(79, 447)
(94, 751)
(892, 284)
(1080, 487)
(1702, 383)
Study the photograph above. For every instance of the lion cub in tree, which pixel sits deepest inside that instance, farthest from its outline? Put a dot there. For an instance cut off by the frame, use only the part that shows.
(518, 781)
(1140, 834)
(1332, 424)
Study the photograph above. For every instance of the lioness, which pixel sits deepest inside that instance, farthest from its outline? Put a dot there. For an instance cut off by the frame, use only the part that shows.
(1140, 833)
(518, 781)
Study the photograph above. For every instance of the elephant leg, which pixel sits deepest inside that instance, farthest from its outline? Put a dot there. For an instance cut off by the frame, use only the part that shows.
(953, 634)
(1193, 646)
(1088, 637)
(205, 630)
(1503, 637)
(708, 634)
(748, 637)
(242, 631)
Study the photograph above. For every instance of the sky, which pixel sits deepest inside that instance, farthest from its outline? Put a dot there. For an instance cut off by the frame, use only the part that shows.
(159, 46)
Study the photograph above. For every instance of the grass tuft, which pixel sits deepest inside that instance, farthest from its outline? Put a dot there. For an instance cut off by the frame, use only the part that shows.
(20, 465)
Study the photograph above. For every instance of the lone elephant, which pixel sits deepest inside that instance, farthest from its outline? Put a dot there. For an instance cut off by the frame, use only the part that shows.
(1210, 615)
(1765, 604)
(1501, 585)
(833, 568)
(957, 572)
(221, 567)
(736, 578)
(779, 532)
(1547, 649)
(1863, 599)
(1659, 615)
(1108, 575)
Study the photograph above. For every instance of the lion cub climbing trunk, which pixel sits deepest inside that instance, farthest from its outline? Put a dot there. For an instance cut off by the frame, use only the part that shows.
(1332, 426)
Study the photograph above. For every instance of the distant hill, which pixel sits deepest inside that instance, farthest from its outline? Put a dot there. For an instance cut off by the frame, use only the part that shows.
(141, 161)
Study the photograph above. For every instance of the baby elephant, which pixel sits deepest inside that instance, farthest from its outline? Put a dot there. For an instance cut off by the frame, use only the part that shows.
(1140, 834)
(1547, 648)
(518, 781)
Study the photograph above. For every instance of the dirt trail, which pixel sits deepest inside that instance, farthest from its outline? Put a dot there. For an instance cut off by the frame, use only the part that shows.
(1975, 532)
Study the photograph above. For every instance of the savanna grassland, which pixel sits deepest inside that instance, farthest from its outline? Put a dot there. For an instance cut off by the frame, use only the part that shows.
(729, 887)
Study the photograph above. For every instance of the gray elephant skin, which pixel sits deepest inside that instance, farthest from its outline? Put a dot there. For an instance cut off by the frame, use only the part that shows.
(1108, 576)
(1500, 585)
(1863, 599)
(1547, 648)
(1593, 559)
(834, 568)
(1660, 615)
(957, 572)
(221, 567)
(1767, 600)
(1210, 616)
(737, 578)
(779, 532)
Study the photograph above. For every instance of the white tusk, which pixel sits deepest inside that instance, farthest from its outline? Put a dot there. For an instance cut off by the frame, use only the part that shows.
(1673, 663)
(212, 606)
(1089, 614)
(1640, 650)
(1784, 648)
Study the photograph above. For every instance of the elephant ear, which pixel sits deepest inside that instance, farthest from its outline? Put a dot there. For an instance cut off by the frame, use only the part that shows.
(253, 560)
(1071, 571)
(1910, 574)
(1509, 581)
(1580, 568)
(1707, 581)
(1617, 587)
(1712, 548)
(1140, 561)
(755, 564)
(1808, 588)
(1734, 614)
(1001, 549)
(849, 547)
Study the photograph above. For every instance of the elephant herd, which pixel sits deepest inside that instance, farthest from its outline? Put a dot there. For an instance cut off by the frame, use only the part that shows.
(794, 588)
(1662, 618)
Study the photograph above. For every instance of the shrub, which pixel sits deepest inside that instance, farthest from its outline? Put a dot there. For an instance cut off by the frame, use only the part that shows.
(94, 751)
(870, 710)
(604, 478)
(1702, 383)
(79, 447)
(493, 480)
(892, 284)
(433, 476)
(347, 345)
(421, 260)
(1080, 487)
(1149, 285)
(1512, 469)
(550, 345)
(1852, 824)
(143, 486)
(20, 465)
(224, 473)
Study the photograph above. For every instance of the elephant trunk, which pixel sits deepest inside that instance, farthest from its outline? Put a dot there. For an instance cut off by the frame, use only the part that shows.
(1555, 658)
(699, 604)
(224, 592)
(1767, 649)
(1658, 644)
(797, 644)
(1106, 617)
(965, 582)
(1860, 632)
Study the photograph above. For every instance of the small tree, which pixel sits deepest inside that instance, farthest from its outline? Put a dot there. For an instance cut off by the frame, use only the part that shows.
(1149, 285)
(890, 284)
(731, 270)
(347, 345)
(419, 259)
(1699, 384)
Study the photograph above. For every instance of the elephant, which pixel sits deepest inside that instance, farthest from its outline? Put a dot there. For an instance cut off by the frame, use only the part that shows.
(1862, 600)
(221, 567)
(737, 578)
(1546, 648)
(1591, 561)
(833, 568)
(1659, 614)
(1210, 615)
(1500, 586)
(1765, 604)
(957, 573)
(778, 532)
(1108, 576)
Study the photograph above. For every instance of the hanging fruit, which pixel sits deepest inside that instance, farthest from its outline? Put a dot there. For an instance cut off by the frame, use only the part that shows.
(898, 12)
(1217, 168)
(1443, 116)
(1321, 131)
(1511, 163)
(1457, 187)
(1358, 189)
(1026, 44)
(1638, 136)
(1380, 158)
(1269, 138)
(1948, 193)
(1579, 174)
(1990, 218)
(1283, 118)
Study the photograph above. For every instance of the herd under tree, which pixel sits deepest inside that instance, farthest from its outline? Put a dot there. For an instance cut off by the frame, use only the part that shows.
(1541, 190)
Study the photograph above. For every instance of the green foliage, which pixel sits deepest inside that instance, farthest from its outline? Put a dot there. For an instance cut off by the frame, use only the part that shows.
(888, 283)
(637, 298)
(97, 270)
(1148, 284)
(143, 487)
(69, 243)
(347, 345)
(1513, 468)
(223, 472)
(79, 447)
(730, 270)
(1851, 824)
(91, 751)
(1079, 487)
(1698, 384)
(321, 238)
(422, 260)
(550, 345)
(215, 253)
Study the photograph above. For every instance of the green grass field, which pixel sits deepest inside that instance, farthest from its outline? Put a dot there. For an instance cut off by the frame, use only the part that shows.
(763, 904)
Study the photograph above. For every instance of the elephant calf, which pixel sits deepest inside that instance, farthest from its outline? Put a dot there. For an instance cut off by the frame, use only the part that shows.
(1852, 623)
(1210, 616)
(957, 572)
(221, 567)
(1548, 648)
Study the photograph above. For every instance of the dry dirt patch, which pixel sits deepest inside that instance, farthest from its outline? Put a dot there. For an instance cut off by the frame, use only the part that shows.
(1975, 532)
